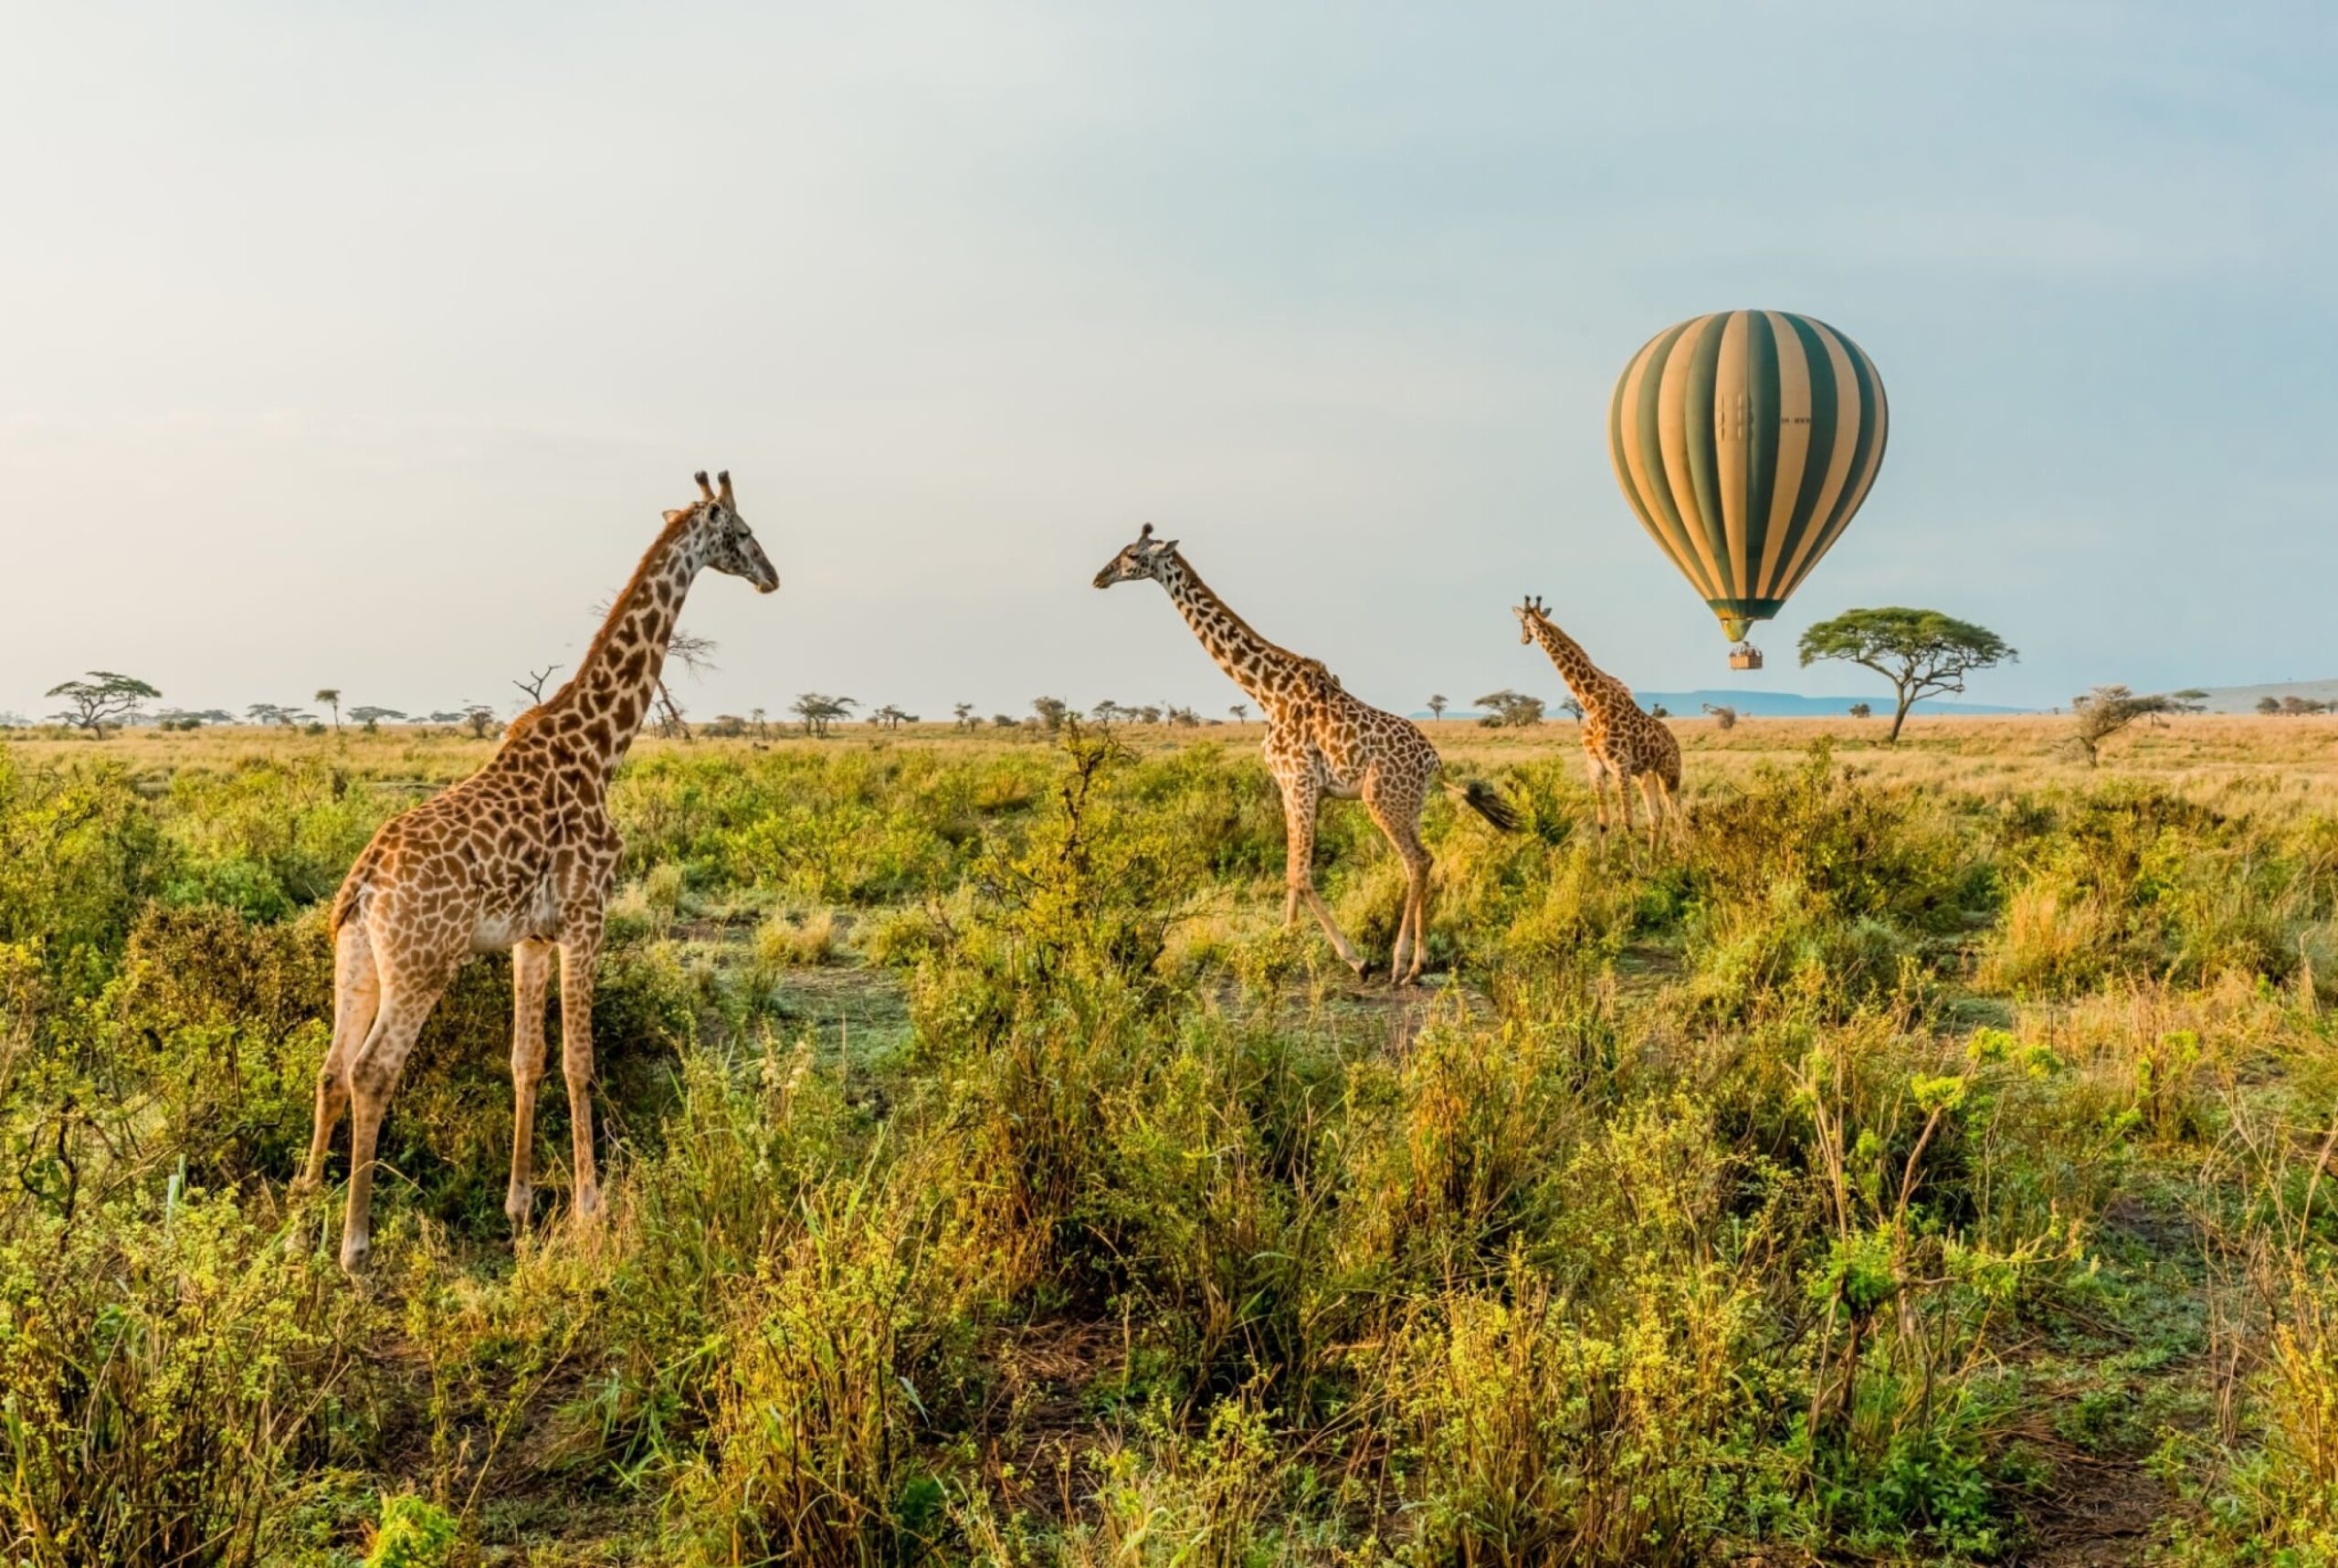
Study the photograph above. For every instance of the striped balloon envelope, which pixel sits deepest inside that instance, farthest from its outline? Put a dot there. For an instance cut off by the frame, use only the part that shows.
(1747, 441)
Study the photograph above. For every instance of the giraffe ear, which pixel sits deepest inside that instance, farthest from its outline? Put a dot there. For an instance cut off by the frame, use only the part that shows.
(677, 515)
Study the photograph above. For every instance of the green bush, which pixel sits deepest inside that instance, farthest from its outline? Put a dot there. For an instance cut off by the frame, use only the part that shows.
(167, 1374)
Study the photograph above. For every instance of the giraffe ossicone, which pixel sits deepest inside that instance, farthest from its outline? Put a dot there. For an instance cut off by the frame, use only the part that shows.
(1320, 742)
(521, 855)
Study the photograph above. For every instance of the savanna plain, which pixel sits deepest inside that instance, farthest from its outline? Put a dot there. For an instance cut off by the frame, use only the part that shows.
(1923, 1158)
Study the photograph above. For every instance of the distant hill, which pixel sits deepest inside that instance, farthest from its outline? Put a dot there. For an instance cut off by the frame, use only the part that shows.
(1778, 704)
(2244, 699)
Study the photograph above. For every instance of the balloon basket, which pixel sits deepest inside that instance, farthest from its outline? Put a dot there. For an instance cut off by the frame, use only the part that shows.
(1745, 656)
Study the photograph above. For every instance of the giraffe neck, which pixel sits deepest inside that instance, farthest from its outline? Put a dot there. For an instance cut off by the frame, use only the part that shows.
(610, 693)
(1258, 667)
(1585, 679)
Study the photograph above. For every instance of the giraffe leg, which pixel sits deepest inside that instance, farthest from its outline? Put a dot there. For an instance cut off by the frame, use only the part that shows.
(531, 974)
(1399, 821)
(579, 956)
(1413, 931)
(1301, 801)
(1598, 770)
(373, 1075)
(356, 998)
(1653, 802)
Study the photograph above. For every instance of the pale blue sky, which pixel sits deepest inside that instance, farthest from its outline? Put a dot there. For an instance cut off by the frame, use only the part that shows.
(362, 345)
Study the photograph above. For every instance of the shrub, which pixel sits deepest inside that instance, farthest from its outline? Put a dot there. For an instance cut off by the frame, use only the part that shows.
(1540, 1436)
(414, 1533)
(166, 1368)
(811, 1454)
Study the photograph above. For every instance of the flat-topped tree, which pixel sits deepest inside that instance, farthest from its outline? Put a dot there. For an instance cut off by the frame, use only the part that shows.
(518, 856)
(107, 697)
(1320, 743)
(818, 711)
(2107, 710)
(1508, 710)
(1920, 652)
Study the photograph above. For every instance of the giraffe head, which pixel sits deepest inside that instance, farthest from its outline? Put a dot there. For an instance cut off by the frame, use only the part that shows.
(1531, 611)
(729, 545)
(1145, 558)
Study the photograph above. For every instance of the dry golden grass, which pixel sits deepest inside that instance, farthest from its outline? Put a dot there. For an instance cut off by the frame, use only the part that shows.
(2207, 756)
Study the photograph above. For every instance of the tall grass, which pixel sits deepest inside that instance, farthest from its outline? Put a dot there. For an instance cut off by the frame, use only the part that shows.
(993, 1179)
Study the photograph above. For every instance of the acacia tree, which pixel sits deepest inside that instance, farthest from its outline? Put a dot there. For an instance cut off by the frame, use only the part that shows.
(1571, 708)
(818, 711)
(1438, 705)
(371, 717)
(1918, 651)
(1052, 713)
(1725, 716)
(1511, 710)
(331, 697)
(1241, 710)
(106, 697)
(965, 713)
(2107, 710)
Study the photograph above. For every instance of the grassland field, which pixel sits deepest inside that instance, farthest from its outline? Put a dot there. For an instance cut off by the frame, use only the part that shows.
(1925, 1158)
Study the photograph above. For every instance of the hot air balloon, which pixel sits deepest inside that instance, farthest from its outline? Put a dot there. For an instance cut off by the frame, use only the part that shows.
(1745, 441)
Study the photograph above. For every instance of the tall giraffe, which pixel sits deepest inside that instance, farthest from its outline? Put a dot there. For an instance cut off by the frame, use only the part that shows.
(1320, 742)
(518, 856)
(1619, 741)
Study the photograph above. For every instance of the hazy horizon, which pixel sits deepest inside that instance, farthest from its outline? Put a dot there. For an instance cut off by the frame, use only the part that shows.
(363, 347)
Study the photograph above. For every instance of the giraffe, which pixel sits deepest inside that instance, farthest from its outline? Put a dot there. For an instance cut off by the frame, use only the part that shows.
(1320, 742)
(1619, 741)
(518, 856)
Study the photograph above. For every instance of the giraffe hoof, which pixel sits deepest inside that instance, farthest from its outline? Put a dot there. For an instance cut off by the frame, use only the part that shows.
(357, 1258)
(518, 1203)
(1363, 967)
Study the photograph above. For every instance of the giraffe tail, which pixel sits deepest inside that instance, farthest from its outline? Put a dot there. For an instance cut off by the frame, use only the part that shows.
(353, 888)
(1487, 802)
